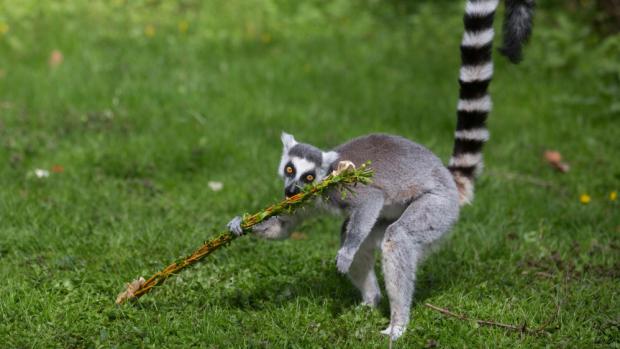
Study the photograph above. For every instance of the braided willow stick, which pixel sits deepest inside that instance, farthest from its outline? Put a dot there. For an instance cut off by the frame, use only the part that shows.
(346, 174)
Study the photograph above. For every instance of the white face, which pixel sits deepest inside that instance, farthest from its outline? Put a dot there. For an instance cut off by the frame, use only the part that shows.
(297, 171)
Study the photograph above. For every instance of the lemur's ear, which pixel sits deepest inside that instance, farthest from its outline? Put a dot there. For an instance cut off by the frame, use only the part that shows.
(288, 140)
(329, 158)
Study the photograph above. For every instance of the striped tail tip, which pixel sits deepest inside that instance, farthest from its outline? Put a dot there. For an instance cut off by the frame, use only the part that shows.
(465, 186)
(465, 168)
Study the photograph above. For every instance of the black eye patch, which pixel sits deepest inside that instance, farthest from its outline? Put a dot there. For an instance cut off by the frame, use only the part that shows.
(308, 177)
(289, 170)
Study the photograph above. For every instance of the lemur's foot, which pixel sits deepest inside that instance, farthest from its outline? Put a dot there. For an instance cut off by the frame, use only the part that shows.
(343, 261)
(372, 300)
(234, 226)
(394, 331)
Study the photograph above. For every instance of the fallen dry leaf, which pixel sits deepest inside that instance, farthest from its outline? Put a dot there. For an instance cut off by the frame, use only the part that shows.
(554, 158)
(55, 59)
(298, 236)
(57, 169)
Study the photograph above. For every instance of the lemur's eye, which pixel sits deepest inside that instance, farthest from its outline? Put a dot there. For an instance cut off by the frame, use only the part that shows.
(289, 170)
(308, 177)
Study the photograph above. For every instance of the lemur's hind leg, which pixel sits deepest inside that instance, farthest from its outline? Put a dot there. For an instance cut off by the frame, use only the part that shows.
(362, 271)
(361, 220)
(423, 222)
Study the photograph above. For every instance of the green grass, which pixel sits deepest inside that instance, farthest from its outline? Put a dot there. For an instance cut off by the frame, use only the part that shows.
(141, 124)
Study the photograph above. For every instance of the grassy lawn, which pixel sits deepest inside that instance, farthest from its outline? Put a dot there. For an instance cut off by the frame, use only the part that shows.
(152, 100)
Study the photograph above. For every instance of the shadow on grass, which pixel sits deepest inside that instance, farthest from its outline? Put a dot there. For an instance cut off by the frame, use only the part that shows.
(339, 294)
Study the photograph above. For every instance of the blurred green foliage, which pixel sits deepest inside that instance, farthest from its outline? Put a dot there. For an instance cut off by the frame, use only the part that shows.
(602, 15)
(568, 47)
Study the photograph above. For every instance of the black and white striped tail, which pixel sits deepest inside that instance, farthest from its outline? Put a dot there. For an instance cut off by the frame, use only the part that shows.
(474, 101)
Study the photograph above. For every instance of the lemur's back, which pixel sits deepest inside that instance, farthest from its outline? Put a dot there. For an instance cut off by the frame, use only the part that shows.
(403, 169)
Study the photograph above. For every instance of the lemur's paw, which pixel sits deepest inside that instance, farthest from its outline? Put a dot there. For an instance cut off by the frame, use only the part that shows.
(234, 226)
(394, 331)
(343, 261)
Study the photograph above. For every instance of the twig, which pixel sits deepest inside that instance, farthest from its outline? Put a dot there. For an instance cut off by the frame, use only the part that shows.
(346, 174)
(520, 328)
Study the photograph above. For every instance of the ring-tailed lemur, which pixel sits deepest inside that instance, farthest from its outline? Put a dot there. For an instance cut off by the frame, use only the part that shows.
(414, 199)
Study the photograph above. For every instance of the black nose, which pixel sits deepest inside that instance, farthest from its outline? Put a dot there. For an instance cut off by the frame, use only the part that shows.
(290, 191)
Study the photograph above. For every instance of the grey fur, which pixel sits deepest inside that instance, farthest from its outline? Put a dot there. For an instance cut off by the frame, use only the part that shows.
(362, 271)
(308, 152)
(412, 202)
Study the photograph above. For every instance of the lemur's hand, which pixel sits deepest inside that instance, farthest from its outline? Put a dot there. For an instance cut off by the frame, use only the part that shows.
(344, 260)
(269, 229)
(234, 226)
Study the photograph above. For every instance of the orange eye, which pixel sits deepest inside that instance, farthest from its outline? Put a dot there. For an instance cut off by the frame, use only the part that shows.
(309, 178)
(289, 169)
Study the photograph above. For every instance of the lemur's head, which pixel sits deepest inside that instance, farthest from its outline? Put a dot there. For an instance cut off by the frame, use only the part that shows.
(302, 164)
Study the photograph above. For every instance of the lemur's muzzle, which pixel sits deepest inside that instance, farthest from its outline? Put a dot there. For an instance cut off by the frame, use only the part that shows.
(291, 190)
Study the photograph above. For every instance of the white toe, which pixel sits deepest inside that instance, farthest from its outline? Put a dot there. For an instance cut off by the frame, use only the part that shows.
(394, 332)
(387, 331)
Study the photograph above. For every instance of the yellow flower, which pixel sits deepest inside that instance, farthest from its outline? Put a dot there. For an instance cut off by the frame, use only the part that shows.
(4, 28)
(265, 38)
(613, 196)
(183, 26)
(585, 199)
(149, 30)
